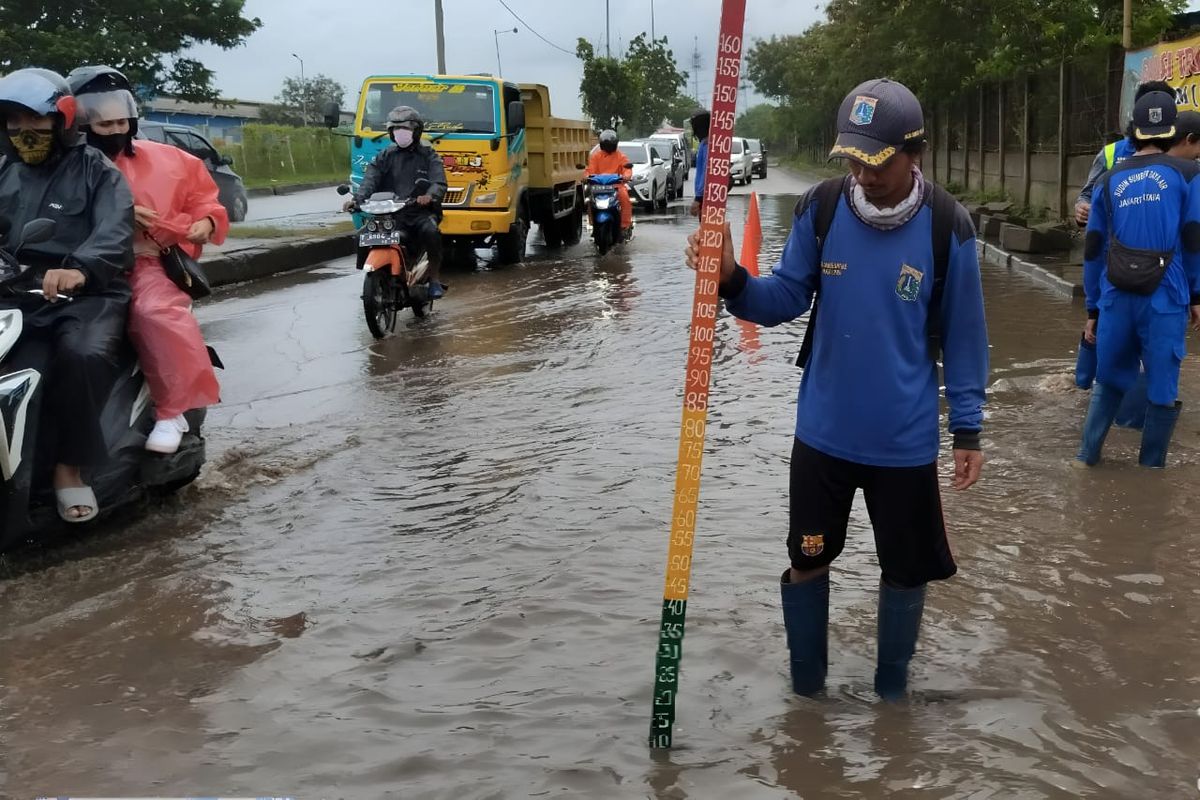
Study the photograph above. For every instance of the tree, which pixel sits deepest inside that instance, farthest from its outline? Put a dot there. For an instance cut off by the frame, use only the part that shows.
(758, 122)
(145, 40)
(299, 101)
(608, 89)
(652, 65)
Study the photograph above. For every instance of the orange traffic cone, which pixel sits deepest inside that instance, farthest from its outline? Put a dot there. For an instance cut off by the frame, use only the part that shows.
(752, 237)
(751, 244)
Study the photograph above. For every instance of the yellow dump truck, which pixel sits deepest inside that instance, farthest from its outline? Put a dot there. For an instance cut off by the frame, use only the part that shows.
(509, 163)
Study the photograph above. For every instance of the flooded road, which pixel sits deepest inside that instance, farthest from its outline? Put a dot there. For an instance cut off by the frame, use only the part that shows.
(432, 567)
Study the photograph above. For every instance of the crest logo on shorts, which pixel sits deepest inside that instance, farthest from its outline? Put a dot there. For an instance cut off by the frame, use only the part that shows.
(812, 545)
(908, 287)
(863, 110)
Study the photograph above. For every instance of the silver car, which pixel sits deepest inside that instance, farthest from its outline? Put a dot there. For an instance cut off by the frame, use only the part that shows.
(676, 163)
(741, 164)
(651, 179)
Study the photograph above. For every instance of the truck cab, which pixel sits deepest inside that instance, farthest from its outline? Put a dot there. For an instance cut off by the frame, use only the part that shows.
(508, 162)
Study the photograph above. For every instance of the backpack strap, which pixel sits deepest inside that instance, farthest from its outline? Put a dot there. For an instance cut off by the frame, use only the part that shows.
(828, 196)
(944, 208)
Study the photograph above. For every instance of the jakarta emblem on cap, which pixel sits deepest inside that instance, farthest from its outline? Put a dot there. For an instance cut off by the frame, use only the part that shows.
(863, 110)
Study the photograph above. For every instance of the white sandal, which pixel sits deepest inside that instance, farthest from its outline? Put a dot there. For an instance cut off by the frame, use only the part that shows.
(77, 497)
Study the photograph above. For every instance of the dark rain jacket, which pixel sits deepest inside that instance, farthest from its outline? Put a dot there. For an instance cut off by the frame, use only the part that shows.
(92, 207)
(396, 170)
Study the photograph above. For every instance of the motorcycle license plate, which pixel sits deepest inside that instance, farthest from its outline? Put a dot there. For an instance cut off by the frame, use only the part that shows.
(379, 238)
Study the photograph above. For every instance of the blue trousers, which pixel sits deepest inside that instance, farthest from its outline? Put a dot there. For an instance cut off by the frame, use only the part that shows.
(1135, 333)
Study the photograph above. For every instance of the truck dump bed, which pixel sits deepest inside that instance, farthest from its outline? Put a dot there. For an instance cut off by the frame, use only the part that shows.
(558, 148)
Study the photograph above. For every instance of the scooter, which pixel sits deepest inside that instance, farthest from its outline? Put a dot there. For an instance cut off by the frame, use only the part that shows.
(397, 270)
(28, 511)
(604, 211)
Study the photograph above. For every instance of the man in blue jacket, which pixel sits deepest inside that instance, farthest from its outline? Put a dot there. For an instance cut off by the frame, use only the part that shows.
(868, 409)
(1141, 272)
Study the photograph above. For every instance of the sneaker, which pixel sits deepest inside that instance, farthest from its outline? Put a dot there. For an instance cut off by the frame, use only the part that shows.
(167, 435)
(436, 290)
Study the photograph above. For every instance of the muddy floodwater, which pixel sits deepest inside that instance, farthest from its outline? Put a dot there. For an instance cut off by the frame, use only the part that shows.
(432, 567)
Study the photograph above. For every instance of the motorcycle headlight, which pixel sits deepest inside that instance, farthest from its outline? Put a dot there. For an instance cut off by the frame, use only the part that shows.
(388, 225)
(604, 202)
(372, 226)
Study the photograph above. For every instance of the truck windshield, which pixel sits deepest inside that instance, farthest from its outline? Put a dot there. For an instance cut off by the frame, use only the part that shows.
(452, 107)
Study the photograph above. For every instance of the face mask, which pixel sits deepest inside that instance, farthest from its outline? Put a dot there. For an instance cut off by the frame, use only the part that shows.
(33, 147)
(111, 144)
(402, 137)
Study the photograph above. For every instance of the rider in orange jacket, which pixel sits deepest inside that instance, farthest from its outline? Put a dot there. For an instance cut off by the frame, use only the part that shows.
(608, 160)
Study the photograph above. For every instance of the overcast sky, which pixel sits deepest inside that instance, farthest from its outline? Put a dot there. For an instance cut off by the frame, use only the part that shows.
(349, 40)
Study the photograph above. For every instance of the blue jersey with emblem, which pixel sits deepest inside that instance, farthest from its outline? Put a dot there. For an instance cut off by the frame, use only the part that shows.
(870, 391)
(1154, 203)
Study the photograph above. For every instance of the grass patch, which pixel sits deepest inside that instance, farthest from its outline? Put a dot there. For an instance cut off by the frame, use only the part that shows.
(808, 167)
(295, 180)
(274, 232)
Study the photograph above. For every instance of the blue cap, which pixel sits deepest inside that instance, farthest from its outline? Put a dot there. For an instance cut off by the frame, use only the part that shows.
(876, 120)
(1154, 116)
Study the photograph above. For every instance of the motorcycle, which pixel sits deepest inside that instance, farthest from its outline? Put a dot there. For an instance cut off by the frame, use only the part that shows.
(396, 269)
(28, 510)
(604, 211)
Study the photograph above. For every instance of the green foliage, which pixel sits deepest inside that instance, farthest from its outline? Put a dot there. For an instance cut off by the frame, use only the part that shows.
(144, 40)
(636, 93)
(271, 153)
(940, 49)
(300, 100)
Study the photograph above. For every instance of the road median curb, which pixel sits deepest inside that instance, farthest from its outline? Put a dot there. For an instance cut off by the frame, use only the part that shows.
(287, 255)
(1045, 276)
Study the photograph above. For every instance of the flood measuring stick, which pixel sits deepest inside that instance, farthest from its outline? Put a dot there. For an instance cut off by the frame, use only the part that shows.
(698, 373)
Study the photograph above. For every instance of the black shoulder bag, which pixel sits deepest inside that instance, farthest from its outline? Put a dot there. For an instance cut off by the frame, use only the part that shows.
(183, 270)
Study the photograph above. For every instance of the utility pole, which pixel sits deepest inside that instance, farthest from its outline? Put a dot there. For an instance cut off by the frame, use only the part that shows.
(1127, 33)
(651, 20)
(607, 37)
(496, 34)
(696, 69)
(303, 91)
(441, 36)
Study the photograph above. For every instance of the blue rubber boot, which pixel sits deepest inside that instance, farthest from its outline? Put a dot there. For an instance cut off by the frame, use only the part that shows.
(899, 623)
(806, 618)
(436, 290)
(1085, 364)
(1132, 413)
(1100, 416)
(1156, 436)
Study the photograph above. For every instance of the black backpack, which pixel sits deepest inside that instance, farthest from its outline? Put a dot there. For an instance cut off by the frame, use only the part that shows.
(828, 194)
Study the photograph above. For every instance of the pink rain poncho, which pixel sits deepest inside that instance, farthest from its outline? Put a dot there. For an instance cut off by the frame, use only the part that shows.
(167, 337)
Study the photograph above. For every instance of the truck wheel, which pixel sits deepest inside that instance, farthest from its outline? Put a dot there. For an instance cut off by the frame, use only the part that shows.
(510, 248)
(552, 231)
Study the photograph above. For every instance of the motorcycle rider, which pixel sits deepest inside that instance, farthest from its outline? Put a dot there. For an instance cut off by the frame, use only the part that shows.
(176, 203)
(608, 160)
(51, 173)
(397, 169)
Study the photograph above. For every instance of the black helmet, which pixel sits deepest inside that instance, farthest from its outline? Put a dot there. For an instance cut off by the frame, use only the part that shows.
(103, 94)
(41, 92)
(608, 141)
(406, 117)
(700, 120)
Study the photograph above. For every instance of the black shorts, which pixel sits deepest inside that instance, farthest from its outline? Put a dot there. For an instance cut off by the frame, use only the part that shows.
(904, 503)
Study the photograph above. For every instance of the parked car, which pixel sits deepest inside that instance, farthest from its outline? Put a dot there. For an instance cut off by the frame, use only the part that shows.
(676, 163)
(758, 158)
(740, 164)
(232, 191)
(685, 144)
(650, 180)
